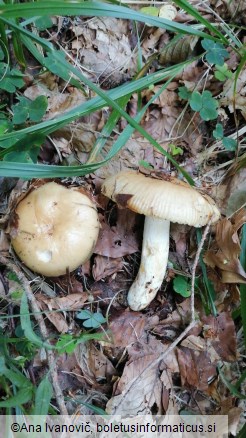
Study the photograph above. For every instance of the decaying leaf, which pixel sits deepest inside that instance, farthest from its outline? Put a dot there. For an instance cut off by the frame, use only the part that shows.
(119, 240)
(127, 328)
(198, 356)
(226, 258)
(178, 50)
(195, 367)
(235, 100)
(167, 124)
(230, 9)
(95, 366)
(69, 303)
(103, 48)
(142, 396)
(105, 266)
(220, 332)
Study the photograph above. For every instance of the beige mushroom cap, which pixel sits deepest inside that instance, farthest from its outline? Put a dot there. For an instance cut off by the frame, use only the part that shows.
(57, 229)
(169, 199)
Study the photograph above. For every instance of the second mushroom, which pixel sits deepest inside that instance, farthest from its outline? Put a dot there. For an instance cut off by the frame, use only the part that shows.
(162, 201)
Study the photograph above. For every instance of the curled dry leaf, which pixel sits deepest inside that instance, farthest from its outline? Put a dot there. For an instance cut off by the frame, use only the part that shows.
(226, 258)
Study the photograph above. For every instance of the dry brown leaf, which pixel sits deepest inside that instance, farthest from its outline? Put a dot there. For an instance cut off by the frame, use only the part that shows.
(104, 49)
(95, 366)
(178, 51)
(220, 332)
(195, 368)
(235, 100)
(56, 318)
(151, 40)
(226, 257)
(58, 102)
(174, 320)
(145, 395)
(233, 9)
(127, 328)
(69, 303)
(198, 357)
(119, 240)
(105, 266)
(128, 157)
(166, 124)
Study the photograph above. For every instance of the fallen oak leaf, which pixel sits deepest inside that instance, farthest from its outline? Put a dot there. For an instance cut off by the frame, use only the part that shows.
(70, 302)
(226, 258)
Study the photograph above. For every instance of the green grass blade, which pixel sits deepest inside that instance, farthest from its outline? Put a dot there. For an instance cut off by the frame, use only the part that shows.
(22, 396)
(96, 9)
(42, 397)
(111, 102)
(107, 130)
(232, 388)
(194, 13)
(27, 326)
(207, 283)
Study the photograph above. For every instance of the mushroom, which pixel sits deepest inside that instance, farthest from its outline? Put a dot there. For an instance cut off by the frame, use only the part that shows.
(162, 201)
(55, 230)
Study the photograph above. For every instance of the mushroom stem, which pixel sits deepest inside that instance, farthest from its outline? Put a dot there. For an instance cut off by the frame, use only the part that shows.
(153, 264)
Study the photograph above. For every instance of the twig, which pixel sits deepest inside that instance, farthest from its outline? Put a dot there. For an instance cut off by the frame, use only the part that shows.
(39, 318)
(193, 277)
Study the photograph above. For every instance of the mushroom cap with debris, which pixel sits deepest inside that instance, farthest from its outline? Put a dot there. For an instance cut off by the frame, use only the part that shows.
(56, 229)
(169, 198)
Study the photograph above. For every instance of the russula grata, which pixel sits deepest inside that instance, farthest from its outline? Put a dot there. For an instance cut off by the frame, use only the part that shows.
(56, 229)
(162, 201)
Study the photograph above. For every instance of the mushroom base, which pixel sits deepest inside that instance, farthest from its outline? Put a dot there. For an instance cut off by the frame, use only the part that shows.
(153, 264)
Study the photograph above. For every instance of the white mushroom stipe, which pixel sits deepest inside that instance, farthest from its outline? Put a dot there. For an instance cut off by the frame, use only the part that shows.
(154, 257)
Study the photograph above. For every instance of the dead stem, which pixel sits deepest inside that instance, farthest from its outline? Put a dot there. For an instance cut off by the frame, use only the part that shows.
(39, 318)
(193, 277)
